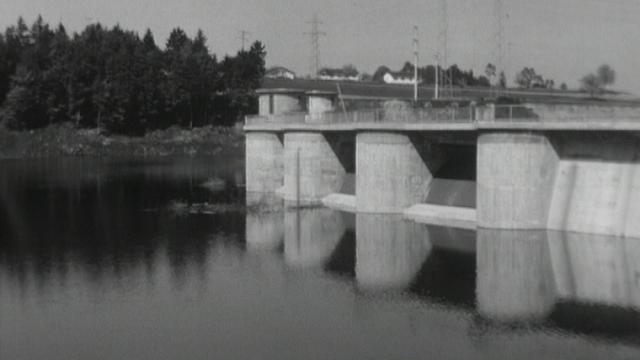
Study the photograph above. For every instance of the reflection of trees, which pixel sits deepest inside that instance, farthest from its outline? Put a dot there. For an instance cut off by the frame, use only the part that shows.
(56, 218)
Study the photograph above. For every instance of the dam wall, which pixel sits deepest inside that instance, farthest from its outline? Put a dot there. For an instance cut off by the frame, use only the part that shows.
(519, 167)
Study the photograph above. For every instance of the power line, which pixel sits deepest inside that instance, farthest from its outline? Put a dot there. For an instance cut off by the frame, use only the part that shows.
(315, 44)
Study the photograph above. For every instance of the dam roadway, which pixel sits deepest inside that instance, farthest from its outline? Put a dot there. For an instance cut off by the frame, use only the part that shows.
(526, 166)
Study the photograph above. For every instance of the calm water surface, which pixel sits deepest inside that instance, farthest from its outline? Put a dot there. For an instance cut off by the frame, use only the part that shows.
(99, 261)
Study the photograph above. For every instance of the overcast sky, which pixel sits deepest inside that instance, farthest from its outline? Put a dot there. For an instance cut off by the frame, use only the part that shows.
(562, 39)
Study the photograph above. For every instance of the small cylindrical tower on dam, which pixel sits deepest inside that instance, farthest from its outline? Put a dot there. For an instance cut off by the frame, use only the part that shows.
(280, 101)
(265, 149)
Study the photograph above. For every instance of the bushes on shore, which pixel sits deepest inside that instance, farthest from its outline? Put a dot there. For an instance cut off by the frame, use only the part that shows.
(66, 140)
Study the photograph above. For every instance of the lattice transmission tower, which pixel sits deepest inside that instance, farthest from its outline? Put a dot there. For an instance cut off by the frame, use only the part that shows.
(315, 35)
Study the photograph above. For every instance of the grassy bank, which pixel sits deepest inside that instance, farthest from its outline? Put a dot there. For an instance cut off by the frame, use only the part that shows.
(65, 140)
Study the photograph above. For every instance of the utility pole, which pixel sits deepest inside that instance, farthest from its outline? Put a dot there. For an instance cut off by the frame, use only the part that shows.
(499, 39)
(437, 71)
(415, 64)
(315, 44)
(443, 42)
(243, 37)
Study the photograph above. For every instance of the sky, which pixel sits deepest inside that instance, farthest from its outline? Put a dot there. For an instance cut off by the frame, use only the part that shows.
(562, 39)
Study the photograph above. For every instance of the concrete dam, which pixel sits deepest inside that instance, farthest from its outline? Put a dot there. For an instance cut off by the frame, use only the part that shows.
(523, 167)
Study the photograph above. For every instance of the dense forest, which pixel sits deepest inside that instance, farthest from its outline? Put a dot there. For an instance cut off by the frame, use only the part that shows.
(119, 82)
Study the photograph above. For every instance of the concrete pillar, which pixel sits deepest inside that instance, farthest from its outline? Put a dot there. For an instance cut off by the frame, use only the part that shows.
(264, 161)
(514, 275)
(389, 251)
(311, 235)
(515, 179)
(393, 171)
(312, 169)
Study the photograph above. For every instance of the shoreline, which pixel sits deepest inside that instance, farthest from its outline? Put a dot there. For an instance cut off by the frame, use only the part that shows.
(65, 140)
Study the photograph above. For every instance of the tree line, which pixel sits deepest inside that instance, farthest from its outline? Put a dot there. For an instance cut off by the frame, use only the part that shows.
(115, 80)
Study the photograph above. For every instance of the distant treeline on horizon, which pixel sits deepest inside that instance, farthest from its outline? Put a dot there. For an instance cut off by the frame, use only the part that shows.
(112, 79)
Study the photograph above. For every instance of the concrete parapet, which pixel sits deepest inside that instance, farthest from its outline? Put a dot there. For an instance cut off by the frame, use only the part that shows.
(597, 187)
(515, 179)
(393, 171)
(312, 168)
(264, 161)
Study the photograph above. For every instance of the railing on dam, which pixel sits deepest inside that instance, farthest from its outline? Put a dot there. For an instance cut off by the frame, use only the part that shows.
(439, 115)
(459, 115)
(284, 119)
(552, 113)
(518, 113)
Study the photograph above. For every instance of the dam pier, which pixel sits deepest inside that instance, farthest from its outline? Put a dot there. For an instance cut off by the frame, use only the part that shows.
(522, 166)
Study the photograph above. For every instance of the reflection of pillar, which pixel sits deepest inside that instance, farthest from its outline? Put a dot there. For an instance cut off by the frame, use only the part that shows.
(389, 251)
(311, 235)
(393, 171)
(596, 268)
(264, 223)
(264, 161)
(514, 276)
(312, 170)
(516, 173)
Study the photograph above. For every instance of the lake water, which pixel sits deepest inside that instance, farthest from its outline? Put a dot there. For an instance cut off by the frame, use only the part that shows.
(114, 259)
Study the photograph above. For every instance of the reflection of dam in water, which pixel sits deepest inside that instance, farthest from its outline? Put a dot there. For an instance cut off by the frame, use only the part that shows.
(518, 277)
(389, 251)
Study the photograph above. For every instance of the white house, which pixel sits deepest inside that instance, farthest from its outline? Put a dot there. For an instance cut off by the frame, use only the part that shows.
(398, 78)
(337, 75)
